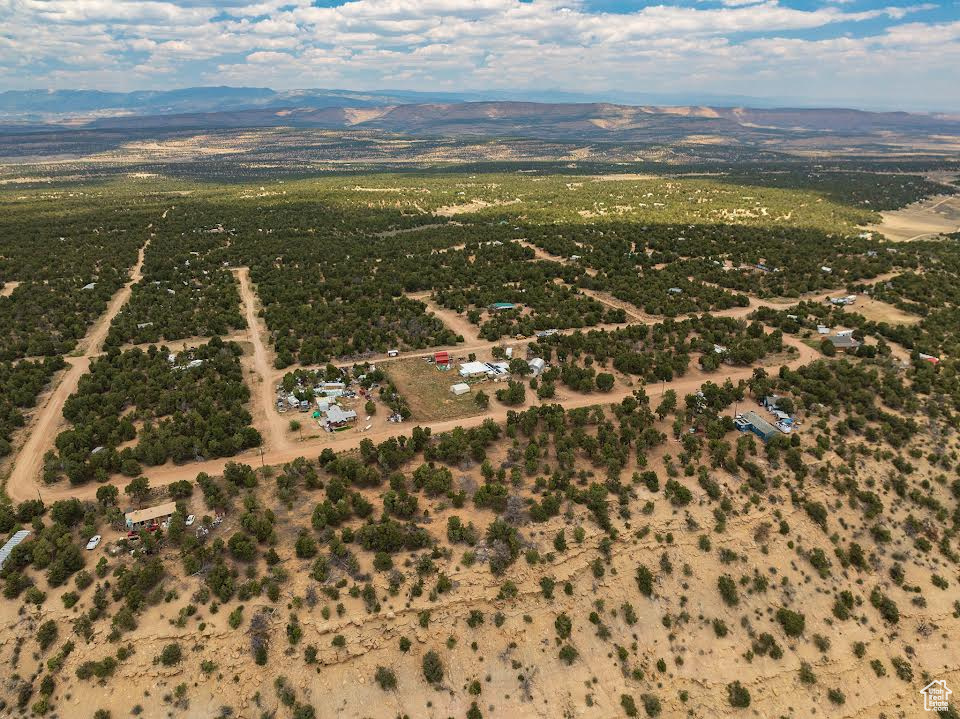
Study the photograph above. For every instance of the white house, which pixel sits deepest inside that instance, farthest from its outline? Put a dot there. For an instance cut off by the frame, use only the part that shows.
(474, 369)
(460, 388)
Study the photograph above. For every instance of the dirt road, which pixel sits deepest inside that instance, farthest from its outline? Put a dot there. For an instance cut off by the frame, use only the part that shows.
(288, 450)
(261, 376)
(28, 463)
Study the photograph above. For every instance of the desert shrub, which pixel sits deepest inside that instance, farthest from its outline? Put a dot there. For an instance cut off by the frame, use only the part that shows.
(793, 623)
(728, 590)
(171, 654)
(432, 667)
(387, 679)
(738, 695)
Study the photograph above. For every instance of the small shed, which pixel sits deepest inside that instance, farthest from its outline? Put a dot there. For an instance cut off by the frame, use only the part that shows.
(537, 365)
(461, 388)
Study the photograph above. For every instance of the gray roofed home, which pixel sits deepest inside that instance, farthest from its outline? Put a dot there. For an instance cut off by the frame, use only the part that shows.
(844, 342)
(337, 417)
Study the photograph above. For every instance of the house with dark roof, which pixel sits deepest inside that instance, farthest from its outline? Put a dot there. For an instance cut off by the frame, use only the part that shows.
(844, 343)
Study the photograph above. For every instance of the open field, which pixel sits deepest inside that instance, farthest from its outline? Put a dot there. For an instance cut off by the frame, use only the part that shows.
(427, 389)
(877, 311)
(922, 220)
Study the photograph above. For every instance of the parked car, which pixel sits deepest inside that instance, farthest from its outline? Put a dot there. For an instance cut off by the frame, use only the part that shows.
(190, 520)
(94, 541)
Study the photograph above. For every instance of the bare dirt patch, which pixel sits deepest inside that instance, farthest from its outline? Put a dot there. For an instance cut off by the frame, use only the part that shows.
(468, 207)
(427, 390)
(921, 220)
(8, 287)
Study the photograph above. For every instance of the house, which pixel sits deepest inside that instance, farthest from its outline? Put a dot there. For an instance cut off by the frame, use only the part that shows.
(936, 696)
(826, 269)
(546, 333)
(11, 543)
(473, 369)
(846, 343)
(770, 401)
(929, 358)
(150, 517)
(393, 353)
(537, 366)
(753, 422)
(720, 349)
(460, 388)
(337, 418)
(823, 330)
(675, 290)
(844, 333)
(497, 369)
(501, 306)
(442, 360)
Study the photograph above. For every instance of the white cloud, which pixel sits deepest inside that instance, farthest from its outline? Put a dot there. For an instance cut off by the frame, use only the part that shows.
(730, 46)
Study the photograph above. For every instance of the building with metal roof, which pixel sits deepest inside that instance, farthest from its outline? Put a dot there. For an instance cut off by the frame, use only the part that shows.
(11, 543)
(151, 515)
(753, 422)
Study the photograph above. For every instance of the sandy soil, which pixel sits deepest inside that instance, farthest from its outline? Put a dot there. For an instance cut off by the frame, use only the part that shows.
(8, 287)
(921, 220)
(517, 663)
(468, 207)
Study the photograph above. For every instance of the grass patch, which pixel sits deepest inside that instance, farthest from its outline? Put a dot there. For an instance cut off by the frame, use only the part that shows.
(427, 390)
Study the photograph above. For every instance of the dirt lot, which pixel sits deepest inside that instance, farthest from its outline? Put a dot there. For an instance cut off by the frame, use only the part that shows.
(427, 389)
(921, 220)
(877, 311)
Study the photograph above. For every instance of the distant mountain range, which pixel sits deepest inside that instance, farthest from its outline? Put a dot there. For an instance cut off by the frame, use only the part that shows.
(59, 105)
(449, 115)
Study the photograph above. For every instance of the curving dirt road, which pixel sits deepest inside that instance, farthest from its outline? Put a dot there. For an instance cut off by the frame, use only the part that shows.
(27, 465)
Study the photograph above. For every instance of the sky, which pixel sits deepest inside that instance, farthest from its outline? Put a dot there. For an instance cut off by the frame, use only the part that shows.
(897, 54)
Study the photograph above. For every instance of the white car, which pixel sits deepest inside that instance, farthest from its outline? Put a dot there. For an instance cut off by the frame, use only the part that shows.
(94, 541)
(190, 520)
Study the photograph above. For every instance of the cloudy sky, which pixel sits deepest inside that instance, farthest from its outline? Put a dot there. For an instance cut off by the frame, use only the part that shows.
(888, 53)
